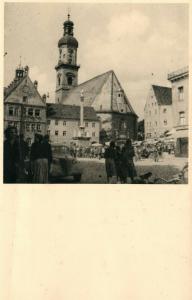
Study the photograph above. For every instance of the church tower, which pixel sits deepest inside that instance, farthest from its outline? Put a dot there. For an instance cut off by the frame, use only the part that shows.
(67, 68)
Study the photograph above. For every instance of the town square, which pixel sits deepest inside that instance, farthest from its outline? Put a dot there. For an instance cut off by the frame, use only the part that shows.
(96, 93)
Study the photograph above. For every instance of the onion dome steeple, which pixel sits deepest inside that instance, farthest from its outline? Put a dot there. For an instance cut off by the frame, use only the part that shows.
(68, 38)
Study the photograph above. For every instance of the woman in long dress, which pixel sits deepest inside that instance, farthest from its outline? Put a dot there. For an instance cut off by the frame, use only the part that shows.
(110, 157)
(39, 161)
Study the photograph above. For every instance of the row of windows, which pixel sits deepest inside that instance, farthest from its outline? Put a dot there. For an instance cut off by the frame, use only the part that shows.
(14, 111)
(33, 127)
(65, 133)
(164, 111)
(28, 127)
(155, 123)
(57, 122)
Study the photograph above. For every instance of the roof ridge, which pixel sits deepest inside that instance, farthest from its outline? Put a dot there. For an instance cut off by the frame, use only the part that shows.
(95, 77)
(13, 86)
(162, 86)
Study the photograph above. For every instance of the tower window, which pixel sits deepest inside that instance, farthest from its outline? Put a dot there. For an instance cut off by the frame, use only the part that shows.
(69, 80)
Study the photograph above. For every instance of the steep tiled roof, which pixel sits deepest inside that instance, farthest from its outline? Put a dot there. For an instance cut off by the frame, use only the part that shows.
(61, 111)
(100, 86)
(91, 89)
(8, 90)
(163, 94)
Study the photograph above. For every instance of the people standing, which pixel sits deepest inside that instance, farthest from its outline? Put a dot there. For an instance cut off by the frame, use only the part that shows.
(48, 151)
(110, 157)
(128, 167)
(11, 156)
(39, 160)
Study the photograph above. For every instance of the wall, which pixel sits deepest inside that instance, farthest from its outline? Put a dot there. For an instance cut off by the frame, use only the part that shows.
(72, 129)
(154, 116)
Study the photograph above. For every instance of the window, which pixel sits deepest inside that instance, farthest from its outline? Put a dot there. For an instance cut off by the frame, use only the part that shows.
(32, 127)
(30, 112)
(56, 122)
(181, 93)
(69, 80)
(38, 127)
(101, 107)
(56, 132)
(37, 112)
(93, 133)
(64, 123)
(48, 122)
(16, 111)
(24, 99)
(182, 118)
(64, 133)
(119, 95)
(27, 127)
(165, 122)
(164, 110)
(93, 125)
(86, 124)
(10, 124)
(11, 111)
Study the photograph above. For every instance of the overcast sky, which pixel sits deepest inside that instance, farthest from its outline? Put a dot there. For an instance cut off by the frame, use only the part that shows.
(135, 40)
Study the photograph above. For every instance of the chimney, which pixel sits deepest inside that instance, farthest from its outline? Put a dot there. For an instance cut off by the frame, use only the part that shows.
(35, 84)
(44, 98)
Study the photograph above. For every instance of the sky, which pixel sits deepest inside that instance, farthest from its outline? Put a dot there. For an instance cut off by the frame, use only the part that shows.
(134, 40)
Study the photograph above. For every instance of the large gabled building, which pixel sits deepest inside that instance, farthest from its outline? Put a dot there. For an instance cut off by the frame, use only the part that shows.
(24, 108)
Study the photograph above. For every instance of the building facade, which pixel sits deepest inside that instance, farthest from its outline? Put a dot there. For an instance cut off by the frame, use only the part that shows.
(103, 93)
(179, 80)
(63, 124)
(24, 108)
(158, 117)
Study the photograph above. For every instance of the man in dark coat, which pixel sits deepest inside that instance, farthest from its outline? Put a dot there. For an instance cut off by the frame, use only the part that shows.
(11, 156)
(127, 161)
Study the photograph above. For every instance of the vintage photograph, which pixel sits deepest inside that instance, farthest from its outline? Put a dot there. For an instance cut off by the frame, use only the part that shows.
(96, 93)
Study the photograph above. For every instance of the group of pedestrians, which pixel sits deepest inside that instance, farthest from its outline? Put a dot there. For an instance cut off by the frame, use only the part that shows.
(119, 163)
(17, 153)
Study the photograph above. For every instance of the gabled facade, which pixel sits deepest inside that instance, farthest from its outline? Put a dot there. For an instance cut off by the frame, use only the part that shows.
(158, 111)
(180, 97)
(105, 94)
(24, 108)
